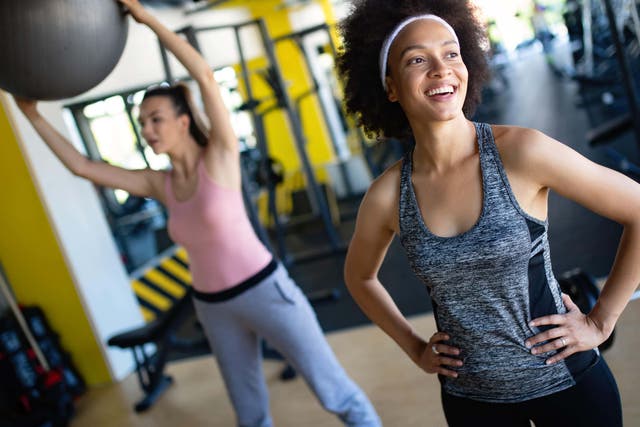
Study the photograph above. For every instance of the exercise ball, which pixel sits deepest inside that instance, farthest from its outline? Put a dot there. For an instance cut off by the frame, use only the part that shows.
(55, 49)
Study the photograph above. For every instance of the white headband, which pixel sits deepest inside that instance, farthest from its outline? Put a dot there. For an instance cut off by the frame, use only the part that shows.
(386, 45)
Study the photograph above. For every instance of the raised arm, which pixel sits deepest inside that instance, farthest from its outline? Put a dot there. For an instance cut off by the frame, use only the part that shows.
(221, 133)
(144, 183)
(375, 228)
(607, 193)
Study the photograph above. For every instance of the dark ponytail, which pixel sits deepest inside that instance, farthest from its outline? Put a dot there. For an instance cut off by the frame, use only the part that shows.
(181, 98)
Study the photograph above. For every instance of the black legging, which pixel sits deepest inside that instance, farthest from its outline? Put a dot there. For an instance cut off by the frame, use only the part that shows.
(593, 402)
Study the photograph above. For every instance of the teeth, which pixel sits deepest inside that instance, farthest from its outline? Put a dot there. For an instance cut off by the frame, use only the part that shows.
(438, 91)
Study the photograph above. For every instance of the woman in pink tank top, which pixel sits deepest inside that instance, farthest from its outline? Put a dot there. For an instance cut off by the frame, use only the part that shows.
(241, 294)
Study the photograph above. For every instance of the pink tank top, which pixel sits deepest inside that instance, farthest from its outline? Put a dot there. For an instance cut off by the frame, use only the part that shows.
(213, 227)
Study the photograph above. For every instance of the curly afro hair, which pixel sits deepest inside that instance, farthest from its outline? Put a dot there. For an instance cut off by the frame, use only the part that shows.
(364, 31)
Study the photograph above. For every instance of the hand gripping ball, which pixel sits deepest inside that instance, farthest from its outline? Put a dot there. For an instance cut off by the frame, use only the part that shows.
(55, 49)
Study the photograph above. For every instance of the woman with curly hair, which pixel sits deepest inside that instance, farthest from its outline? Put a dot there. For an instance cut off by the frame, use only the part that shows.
(469, 204)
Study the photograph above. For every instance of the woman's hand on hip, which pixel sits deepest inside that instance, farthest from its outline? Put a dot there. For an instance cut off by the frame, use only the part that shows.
(438, 358)
(574, 332)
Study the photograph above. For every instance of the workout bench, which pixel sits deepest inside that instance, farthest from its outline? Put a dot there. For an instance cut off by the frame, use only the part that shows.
(161, 333)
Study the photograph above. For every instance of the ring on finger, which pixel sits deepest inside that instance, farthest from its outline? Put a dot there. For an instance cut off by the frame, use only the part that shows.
(434, 349)
(563, 341)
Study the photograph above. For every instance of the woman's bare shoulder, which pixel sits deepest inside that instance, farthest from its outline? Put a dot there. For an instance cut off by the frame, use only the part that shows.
(517, 145)
(379, 208)
(513, 135)
(387, 185)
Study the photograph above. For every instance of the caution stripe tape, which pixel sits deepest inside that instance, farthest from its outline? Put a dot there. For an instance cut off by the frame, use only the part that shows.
(162, 284)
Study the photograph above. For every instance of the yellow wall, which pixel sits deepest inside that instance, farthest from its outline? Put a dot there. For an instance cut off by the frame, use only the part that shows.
(33, 261)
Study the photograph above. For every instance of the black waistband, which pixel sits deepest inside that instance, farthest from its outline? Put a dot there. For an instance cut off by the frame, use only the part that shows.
(241, 287)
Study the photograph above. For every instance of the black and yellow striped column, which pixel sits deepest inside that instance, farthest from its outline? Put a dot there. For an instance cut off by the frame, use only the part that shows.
(161, 285)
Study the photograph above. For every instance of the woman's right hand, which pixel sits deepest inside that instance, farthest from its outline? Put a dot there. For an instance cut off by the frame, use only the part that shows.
(135, 9)
(438, 358)
(29, 107)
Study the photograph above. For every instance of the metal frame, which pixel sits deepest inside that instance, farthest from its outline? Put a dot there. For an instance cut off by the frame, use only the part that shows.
(625, 69)
(298, 38)
(632, 119)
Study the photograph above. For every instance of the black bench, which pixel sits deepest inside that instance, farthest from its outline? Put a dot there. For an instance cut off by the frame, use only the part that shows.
(161, 332)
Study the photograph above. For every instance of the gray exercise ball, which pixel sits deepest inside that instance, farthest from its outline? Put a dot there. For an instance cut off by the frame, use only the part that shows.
(55, 49)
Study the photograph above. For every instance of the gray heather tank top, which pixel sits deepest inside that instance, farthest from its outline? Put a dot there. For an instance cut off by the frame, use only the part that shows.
(486, 284)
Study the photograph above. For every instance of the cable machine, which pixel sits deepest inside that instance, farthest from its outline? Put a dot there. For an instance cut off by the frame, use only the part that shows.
(298, 38)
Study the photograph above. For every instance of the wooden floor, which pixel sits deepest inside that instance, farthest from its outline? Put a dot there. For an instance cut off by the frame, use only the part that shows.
(403, 395)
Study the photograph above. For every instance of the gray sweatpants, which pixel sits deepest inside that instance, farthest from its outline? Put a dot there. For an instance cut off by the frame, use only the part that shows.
(278, 311)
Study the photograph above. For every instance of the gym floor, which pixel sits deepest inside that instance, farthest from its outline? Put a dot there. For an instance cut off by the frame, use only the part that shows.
(401, 393)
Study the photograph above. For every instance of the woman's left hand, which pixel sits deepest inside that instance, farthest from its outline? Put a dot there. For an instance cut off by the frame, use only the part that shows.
(574, 332)
(135, 9)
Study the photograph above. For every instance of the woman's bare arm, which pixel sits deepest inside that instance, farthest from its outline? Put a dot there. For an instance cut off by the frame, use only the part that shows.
(143, 183)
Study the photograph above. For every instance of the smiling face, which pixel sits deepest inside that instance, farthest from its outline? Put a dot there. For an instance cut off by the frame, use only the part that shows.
(160, 126)
(426, 73)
